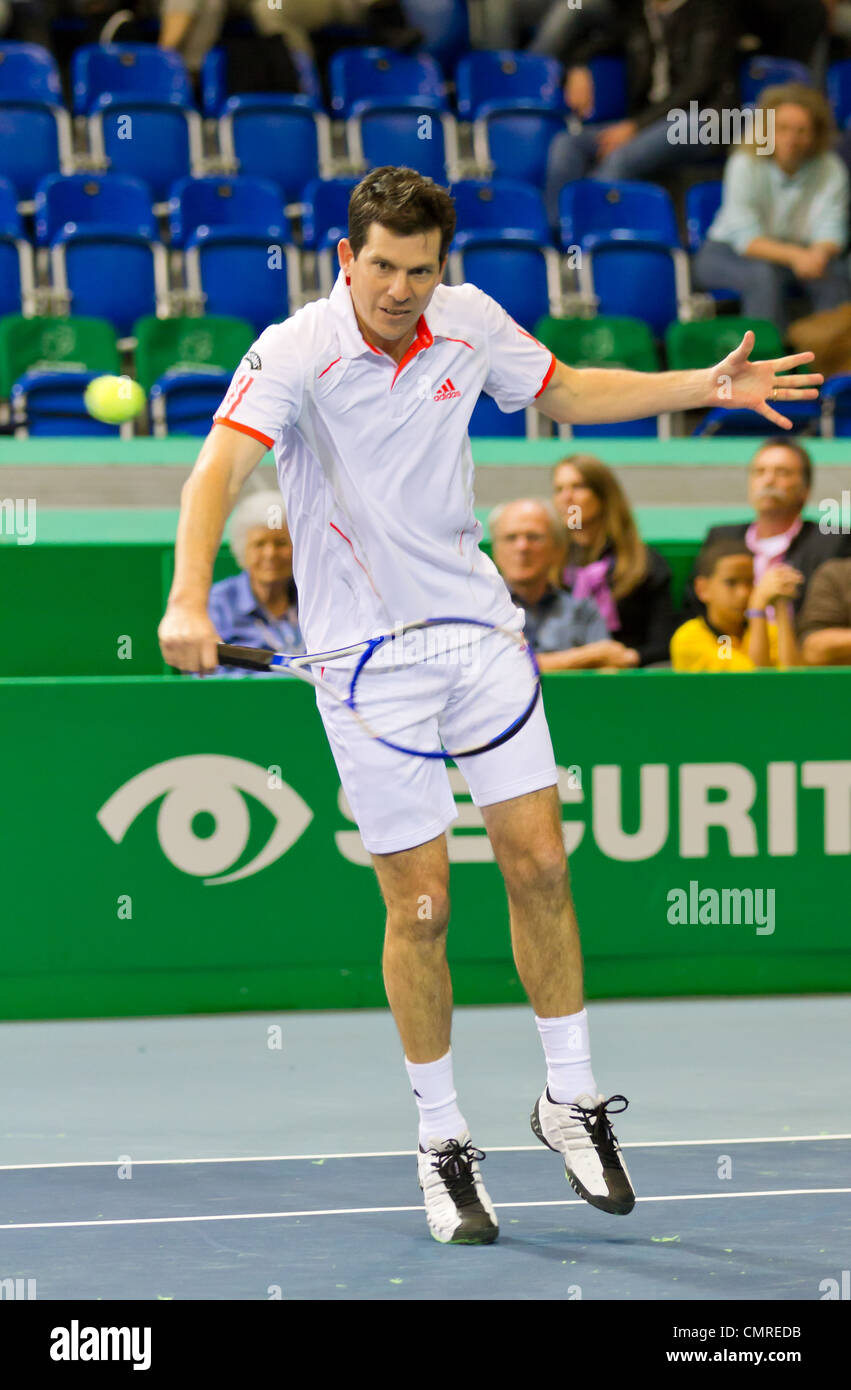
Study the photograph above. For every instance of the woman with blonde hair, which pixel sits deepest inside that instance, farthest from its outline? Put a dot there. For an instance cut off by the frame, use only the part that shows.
(783, 220)
(608, 561)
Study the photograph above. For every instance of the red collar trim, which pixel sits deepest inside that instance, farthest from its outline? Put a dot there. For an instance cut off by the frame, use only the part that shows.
(424, 339)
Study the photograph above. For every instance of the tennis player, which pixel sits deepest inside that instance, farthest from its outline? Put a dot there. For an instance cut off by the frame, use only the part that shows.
(365, 398)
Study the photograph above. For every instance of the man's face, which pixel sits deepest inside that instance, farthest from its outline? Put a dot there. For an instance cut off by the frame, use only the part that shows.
(269, 554)
(524, 549)
(726, 591)
(776, 481)
(392, 280)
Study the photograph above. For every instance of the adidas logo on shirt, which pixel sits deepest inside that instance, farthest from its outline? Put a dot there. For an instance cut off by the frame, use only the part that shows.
(447, 391)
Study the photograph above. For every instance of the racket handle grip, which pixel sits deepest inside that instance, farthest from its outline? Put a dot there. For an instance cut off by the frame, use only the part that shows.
(252, 658)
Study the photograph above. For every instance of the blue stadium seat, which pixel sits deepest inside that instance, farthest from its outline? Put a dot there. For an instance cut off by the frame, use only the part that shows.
(512, 141)
(357, 73)
(835, 407)
(51, 403)
(444, 24)
(325, 221)
(219, 201)
(839, 91)
(17, 270)
(643, 280)
(282, 138)
(501, 205)
(185, 402)
(28, 73)
(326, 212)
(34, 140)
(390, 131)
(803, 414)
(648, 428)
(128, 70)
(83, 198)
(497, 78)
(215, 89)
(523, 278)
(759, 72)
(702, 202)
(230, 270)
(166, 143)
(610, 89)
(109, 272)
(488, 420)
(591, 211)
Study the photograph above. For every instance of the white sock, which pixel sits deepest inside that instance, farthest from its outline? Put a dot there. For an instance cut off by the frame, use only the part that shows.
(435, 1095)
(567, 1049)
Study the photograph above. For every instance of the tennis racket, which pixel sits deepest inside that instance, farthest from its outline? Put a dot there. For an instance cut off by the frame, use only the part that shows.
(437, 688)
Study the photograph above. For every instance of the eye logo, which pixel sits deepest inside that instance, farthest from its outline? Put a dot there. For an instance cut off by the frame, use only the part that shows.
(211, 783)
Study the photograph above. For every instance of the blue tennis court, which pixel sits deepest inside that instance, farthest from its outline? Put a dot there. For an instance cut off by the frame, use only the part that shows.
(140, 1159)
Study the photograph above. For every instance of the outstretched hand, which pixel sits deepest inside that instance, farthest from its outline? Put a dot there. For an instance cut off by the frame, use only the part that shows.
(742, 385)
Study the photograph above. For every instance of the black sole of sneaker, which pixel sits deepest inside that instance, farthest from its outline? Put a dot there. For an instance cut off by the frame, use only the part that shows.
(607, 1204)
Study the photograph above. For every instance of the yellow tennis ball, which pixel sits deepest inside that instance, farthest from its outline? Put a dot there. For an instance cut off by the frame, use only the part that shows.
(114, 399)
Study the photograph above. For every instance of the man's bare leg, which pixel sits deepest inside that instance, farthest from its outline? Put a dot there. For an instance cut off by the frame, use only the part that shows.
(415, 886)
(527, 840)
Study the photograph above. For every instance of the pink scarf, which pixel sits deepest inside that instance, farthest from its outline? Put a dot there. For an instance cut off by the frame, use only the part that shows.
(769, 550)
(592, 581)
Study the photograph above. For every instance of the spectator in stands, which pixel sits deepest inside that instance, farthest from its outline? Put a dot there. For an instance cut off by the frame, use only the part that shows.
(28, 21)
(779, 481)
(556, 26)
(783, 221)
(258, 606)
(192, 27)
(785, 28)
(566, 634)
(677, 51)
(608, 561)
(735, 634)
(824, 626)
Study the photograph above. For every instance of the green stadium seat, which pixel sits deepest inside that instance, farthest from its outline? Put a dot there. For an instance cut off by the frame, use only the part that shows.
(605, 341)
(702, 344)
(211, 344)
(64, 344)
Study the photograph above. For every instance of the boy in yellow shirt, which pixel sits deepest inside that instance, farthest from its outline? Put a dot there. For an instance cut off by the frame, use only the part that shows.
(735, 634)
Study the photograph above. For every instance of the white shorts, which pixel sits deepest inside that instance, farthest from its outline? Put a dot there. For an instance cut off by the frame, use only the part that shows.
(399, 800)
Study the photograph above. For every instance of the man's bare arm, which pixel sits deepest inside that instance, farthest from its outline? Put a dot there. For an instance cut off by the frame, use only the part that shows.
(599, 395)
(831, 646)
(187, 636)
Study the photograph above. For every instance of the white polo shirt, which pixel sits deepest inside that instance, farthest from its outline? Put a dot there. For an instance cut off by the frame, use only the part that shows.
(374, 461)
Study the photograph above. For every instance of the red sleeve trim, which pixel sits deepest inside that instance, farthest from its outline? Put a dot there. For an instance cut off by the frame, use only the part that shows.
(245, 429)
(546, 381)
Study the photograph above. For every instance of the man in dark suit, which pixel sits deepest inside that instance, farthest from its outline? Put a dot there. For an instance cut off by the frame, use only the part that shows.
(779, 481)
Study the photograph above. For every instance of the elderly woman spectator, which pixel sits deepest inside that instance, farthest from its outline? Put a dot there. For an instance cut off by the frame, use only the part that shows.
(566, 634)
(258, 606)
(783, 220)
(608, 561)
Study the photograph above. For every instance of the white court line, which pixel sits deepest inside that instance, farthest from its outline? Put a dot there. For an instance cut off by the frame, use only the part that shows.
(368, 1211)
(409, 1153)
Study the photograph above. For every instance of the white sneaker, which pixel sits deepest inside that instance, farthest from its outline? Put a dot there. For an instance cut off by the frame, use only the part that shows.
(458, 1209)
(582, 1133)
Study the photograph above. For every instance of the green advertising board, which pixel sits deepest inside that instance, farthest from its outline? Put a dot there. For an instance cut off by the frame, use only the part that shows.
(182, 845)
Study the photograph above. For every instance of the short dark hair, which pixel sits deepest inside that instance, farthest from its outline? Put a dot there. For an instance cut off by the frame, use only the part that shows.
(404, 202)
(782, 441)
(712, 554)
